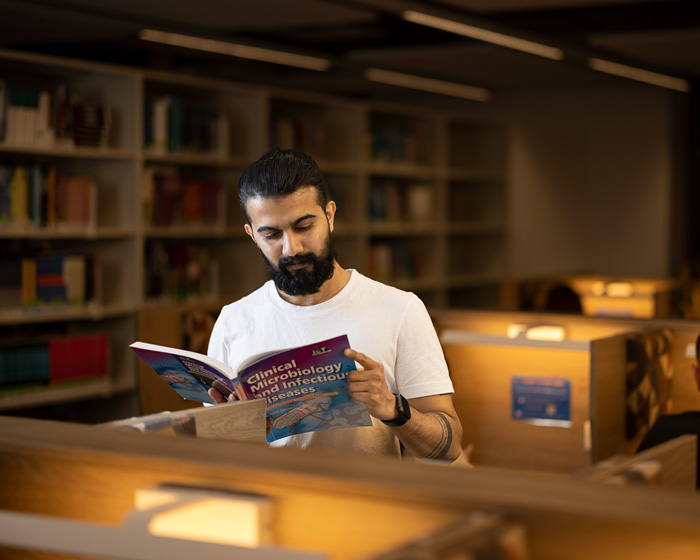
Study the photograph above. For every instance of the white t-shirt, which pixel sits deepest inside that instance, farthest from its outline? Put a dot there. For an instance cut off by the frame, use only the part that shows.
(388, 325)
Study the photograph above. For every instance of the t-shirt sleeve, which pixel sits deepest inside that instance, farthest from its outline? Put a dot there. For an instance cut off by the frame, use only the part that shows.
(421, 369)
(217, 348)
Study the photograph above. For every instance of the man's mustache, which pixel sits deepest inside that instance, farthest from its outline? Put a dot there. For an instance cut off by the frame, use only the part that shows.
(306, 258)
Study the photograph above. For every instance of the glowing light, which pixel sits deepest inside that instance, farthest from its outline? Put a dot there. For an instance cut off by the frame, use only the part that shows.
(486, 35)
(233, 49)
(639, 75)
(427, 84)
(209, 516)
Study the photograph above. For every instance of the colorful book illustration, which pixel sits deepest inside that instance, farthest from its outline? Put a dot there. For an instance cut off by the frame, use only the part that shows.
(306, 387)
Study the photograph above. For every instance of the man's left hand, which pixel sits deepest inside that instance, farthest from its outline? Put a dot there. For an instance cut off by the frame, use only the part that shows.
(368, 385)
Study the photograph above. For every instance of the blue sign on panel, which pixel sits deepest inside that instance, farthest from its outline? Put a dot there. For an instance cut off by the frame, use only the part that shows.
(545, 401)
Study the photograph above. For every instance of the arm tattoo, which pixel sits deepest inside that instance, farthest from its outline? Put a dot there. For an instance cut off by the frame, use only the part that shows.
(445, 442)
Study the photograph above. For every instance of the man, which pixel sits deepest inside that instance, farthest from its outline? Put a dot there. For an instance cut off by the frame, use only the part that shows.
(670, 426)
(402, 376)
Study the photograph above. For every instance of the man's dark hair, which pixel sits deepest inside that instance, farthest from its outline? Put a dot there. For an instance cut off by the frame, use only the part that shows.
(280, 173)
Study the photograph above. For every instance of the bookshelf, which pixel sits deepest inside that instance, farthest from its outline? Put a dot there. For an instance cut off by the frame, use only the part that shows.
(54, 220)
(422, 198)
(477, 213)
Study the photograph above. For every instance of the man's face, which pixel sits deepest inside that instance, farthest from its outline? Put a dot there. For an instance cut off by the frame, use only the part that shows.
(293, 234)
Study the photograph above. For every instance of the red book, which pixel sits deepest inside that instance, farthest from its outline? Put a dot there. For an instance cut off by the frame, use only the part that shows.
(79, 357)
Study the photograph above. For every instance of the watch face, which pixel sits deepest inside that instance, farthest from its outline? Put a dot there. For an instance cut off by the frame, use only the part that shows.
(404, 408)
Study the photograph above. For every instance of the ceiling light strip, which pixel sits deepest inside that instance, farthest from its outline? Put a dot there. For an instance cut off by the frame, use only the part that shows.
(639, 75)
(232, 49)
(427, 84)
(484, 35)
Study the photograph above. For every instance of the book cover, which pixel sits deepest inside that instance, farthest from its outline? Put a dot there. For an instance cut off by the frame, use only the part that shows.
(306, 387)
(79, 357)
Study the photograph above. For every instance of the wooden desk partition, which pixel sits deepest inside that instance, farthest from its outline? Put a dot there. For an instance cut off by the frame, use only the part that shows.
(675, 461)
(484, 370)
(483, 361)
(239, 421)
(334, 504)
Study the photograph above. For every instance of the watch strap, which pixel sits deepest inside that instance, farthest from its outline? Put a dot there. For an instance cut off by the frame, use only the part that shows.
(404, 412)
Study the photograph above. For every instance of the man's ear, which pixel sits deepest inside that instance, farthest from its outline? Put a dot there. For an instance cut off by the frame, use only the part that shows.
(696, 374)
(330, 214)
(249, 231)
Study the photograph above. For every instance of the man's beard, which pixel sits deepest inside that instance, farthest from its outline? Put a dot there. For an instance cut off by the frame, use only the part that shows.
(303, 282)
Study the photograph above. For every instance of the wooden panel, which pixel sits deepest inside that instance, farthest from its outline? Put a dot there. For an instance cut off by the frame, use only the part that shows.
(346, 506)
(482, 374)
(68, 479)
(238, 421)
(683, 390)
(608, 359)
(677, 460)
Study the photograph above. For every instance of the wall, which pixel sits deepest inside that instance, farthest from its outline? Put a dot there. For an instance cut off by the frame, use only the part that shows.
(591, 181)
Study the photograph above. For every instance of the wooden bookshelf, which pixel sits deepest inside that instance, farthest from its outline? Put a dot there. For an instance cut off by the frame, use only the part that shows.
(43, 130)
(443, 237)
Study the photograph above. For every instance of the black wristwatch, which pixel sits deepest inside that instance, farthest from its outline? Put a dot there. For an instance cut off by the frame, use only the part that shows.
(404, 412)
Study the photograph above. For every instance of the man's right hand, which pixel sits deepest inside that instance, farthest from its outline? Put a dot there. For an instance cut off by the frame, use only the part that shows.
(219, 398)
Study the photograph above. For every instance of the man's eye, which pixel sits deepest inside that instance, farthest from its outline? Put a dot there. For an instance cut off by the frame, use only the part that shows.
(272, 236)
(302, 228)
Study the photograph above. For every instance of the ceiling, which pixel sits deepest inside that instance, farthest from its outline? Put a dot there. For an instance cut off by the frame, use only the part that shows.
(660, 36)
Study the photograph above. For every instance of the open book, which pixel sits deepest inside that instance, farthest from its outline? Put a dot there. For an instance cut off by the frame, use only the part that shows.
(306, 387)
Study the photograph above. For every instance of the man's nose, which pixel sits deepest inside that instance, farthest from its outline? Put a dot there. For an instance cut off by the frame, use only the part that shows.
(292, 245)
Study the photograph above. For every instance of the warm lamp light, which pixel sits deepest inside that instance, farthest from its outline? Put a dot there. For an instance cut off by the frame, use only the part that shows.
(619, 289)
(598, 288)
(612, 289)
(554, 333)
(205, 515)
(546, 332)
(514, 330)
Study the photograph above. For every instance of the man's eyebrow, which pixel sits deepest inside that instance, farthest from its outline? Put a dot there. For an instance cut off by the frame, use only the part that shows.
(294, 223)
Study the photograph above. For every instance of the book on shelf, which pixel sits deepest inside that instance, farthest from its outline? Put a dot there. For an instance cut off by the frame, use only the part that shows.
(45, 114)
(31, 363)
(197, 325)
(174, 124)
(394, 201)
(92, 123)
(33, 197)
(303, 132)
(405, 142)
(385, 201)
(178, 270)
(170, 199)
(420, 203)
(391, 260)
(4, 102)
(305, 388)
(79, 357)
(30, 281)
(24, 364)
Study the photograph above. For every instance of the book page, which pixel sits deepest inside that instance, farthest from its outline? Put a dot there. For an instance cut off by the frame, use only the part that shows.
(189, 373)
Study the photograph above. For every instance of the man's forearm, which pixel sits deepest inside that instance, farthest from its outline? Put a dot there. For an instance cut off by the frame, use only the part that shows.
(431, 435)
